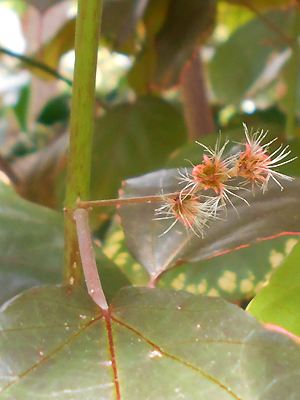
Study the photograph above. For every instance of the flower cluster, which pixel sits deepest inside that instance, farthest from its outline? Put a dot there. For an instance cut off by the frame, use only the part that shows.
(209, 186)
(188, 210)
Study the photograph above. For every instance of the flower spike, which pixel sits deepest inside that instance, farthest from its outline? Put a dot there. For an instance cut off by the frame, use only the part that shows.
(218, 175)
(213, 173)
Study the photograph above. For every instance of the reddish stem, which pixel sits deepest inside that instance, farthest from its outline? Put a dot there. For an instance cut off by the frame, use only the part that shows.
(197, 111)
(129, 200)
(88, 260)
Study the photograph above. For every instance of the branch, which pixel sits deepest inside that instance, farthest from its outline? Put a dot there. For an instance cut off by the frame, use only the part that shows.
(36, 64)
(129, 200)
(197, 110)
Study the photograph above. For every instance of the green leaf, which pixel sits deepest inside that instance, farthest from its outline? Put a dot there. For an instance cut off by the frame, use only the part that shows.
(135, 138)
(279, 302)
(31, 244)
(240, 61)
(54, 344)
(115, 249)
(270, 215)
(22, 106)
(237, 275)
(31, 248)
(57, 110)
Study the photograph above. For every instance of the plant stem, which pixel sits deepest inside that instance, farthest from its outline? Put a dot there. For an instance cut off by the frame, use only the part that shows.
(88, 260)
(129, 200)
(197, 111)
(293, 79)
(82, 124)
(36, 64)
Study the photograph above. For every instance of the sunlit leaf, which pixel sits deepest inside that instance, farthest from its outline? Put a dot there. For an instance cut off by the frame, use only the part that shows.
(54, 344)
(231, 16)
(270, 215)
(279, 302)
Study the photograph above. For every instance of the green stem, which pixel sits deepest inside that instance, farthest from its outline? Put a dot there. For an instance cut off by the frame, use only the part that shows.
(293, 79)
(82, 126)
(36, 64)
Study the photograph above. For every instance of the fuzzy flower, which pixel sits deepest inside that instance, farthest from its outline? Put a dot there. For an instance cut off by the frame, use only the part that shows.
(256, 164)
(187, 210)
(213, 173)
